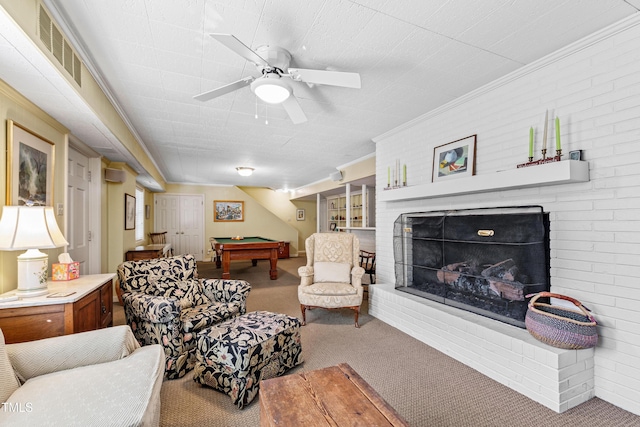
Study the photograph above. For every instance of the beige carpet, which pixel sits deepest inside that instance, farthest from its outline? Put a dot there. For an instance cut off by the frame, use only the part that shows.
(425, 386)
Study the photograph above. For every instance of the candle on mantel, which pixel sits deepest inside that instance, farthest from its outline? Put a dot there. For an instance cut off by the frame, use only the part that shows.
(544, 137)
(558, 134)
(388, 176)
(404, 174)
(531, 142)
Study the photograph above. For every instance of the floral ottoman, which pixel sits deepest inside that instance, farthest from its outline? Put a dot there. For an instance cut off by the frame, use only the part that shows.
(235, 355)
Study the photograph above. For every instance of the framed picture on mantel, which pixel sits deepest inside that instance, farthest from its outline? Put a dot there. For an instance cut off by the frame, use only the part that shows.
(455, 159)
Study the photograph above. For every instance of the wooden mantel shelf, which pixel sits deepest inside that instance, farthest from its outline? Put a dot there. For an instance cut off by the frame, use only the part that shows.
(556, 173)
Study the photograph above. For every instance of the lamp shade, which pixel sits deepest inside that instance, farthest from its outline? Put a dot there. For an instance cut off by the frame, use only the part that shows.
(29, 227)
(271, 89)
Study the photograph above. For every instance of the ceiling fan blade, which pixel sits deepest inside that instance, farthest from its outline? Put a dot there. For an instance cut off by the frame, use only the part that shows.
(294, 110)
(240, 48)
(333, 78)
(223, 90)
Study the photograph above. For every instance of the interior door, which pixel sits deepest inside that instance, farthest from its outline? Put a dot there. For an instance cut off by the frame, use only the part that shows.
(78, 208)
(191, 225)
(182, 217)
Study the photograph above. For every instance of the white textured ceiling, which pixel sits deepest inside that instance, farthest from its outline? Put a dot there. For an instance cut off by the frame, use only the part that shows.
(413, 56)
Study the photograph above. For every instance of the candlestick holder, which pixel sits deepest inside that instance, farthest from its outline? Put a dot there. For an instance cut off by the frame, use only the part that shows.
(558, 152)
(544, 153)
(542, 161)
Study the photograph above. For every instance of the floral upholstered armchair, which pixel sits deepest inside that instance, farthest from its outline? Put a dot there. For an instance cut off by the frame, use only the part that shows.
(332, 277)
(165, 303)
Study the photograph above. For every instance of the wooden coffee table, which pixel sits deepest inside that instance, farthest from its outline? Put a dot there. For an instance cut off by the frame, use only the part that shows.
(333, 396)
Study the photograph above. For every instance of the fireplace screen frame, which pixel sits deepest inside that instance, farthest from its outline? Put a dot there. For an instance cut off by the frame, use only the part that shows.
(497, 231)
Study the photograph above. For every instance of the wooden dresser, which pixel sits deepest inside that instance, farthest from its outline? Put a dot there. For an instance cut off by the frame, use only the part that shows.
(83, 304)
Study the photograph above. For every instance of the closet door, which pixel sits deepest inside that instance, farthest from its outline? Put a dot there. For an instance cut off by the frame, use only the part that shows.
(182, 217)
(192, 225)
(78, 208)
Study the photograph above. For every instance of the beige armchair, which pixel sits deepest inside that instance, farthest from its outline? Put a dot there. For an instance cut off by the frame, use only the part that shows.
(332, 278)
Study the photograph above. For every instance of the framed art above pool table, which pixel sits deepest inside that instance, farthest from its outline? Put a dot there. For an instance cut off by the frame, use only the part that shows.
(228, 210)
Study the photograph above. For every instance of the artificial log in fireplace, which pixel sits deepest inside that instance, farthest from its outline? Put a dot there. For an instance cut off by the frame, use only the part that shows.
(481, 260)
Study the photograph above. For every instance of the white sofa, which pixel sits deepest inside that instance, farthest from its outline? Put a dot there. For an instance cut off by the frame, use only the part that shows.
(100, 377)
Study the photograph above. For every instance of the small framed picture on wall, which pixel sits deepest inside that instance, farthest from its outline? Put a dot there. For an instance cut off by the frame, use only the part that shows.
(129, 212)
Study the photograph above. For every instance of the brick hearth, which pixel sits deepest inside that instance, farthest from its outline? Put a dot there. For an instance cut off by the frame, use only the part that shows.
(557, 378)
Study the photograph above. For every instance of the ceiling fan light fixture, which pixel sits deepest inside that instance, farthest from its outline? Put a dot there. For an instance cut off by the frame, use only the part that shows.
(270, 89)
(244, 171)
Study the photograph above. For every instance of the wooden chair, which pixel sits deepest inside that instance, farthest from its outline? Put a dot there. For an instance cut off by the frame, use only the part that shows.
(368, 262)
(160, 239)
(157, 238)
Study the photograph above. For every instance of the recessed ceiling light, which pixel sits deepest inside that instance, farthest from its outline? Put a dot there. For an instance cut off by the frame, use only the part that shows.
(245, 171)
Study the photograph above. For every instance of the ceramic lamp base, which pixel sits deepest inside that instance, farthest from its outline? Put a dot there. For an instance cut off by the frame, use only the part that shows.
(32, 274)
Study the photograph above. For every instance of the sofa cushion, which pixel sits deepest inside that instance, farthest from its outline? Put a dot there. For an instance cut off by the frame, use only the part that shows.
(330, 289)
(8, 380)
(127, 389)
(331, 272)
(40, 357)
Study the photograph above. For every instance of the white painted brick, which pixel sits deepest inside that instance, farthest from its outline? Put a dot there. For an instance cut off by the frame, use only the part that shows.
(596, 223)
(570, 371)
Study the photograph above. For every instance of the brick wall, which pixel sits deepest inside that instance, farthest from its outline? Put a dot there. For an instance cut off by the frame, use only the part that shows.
(594, 87)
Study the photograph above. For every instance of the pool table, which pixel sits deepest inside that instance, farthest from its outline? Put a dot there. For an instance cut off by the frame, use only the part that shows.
(253, 248)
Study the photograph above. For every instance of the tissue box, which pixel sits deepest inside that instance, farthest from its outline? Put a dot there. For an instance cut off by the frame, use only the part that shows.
(68, 271)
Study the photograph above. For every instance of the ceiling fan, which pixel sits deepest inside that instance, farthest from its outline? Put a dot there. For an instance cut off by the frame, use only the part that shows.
(274, 85)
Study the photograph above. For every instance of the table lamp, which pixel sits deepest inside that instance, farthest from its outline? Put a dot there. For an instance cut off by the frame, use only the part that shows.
(30, 228)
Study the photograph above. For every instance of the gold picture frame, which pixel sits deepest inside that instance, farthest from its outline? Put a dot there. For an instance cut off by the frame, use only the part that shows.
(228, 210)
(455, 159)
(30, 167)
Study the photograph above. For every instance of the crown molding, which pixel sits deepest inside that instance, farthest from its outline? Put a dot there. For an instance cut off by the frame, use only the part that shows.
(554, 57)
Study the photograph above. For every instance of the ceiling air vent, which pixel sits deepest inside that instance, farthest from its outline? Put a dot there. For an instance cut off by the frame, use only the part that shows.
(56, 43)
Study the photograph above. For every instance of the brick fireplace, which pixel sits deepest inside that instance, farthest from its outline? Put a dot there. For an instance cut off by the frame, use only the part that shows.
(594, 230)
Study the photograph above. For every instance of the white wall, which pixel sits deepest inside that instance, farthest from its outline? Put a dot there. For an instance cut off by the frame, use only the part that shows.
(594, 87)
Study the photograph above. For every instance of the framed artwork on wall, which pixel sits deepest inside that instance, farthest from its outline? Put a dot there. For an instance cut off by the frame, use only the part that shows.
(455, 159)
(228, 210)
(29, 167)
(300, 214)
(129, 212)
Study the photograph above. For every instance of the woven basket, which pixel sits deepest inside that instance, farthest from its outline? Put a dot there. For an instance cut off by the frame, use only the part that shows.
(560, 326)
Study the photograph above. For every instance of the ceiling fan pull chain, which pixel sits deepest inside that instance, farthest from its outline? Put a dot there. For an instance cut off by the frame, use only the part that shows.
(256, 107)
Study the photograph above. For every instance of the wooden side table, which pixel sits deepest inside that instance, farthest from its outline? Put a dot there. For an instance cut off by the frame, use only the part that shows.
(79, 305)
(333, 396)
(154, 250)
